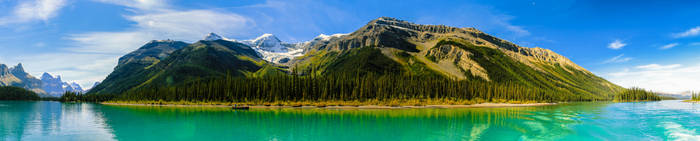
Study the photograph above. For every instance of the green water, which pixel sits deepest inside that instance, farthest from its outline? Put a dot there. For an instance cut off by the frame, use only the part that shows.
(664, 120)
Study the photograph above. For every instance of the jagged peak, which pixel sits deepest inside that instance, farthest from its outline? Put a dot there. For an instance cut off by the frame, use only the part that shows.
(18, 69)
(46, 75)
(401, 24)
(383, 18)
(3, 69)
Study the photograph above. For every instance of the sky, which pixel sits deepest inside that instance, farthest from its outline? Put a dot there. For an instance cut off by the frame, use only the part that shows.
(647, 44)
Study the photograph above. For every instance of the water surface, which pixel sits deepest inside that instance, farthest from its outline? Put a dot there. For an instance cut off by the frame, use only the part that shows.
(663, 120)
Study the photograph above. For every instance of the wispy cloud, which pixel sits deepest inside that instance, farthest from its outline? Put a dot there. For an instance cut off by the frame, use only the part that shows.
(33, 10)
(664, 78)
(669, 46)
(95, 53)
(658, 67)
(617, 44)
(618, 59)
(688, 33)
(142, 5)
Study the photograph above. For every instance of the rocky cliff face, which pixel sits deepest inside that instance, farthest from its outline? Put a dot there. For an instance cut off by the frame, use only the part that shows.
(459, 53)
(16, 76)
(394, 34)
(56, 87)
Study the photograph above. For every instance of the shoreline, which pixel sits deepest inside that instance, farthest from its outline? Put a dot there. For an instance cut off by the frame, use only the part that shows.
(480, 105)
(691, 101)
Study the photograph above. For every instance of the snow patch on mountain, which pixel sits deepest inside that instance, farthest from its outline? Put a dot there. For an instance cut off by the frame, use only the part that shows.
(54, 86)
(273, 49)
(214, 37)
(324, 37)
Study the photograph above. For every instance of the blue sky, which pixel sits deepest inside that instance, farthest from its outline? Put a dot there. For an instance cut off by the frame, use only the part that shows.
(650, 44)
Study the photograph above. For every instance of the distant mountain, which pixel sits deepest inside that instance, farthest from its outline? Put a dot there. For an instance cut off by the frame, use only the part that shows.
(383, 46)
(48, 85)
(55, 87)
(16, 76)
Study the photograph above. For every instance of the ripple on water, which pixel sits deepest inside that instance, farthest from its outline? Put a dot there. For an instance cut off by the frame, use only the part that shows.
(675, 131)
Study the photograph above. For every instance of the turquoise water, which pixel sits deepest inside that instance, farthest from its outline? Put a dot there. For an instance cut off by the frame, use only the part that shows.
(664, 120)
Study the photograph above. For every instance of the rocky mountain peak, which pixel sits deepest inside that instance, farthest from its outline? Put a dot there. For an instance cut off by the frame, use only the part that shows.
(18, 70)
(3, 69)
(212, 37)
(266, 40)
(404, 25)
(48, 77)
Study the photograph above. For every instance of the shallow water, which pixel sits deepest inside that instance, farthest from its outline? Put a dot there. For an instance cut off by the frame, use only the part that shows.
(663, 120)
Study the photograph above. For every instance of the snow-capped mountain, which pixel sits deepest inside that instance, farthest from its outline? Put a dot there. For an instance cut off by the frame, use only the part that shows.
(212, 37)
(54, 86)
(273, 49)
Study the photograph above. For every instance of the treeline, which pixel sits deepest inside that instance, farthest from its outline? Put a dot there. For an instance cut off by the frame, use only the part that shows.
(80, 97)
(17, 93)
(367, 87)
(637, 94)
(695, 96)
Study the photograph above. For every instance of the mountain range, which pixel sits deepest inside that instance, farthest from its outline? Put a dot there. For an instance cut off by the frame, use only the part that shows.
(48, 85)
(384, 45)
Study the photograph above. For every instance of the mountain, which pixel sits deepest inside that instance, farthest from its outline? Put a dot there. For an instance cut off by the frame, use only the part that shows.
(16, 76)
(385, 46)
(201, 60)
(48, 85)
(273, 50)
(132, 66)
(55, 87)
(388, 45)
(212, 37)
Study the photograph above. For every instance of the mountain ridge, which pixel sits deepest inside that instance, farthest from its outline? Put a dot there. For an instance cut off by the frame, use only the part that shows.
(383, 46)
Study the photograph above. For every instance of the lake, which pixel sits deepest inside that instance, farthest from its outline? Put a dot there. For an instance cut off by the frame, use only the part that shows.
(662, 120)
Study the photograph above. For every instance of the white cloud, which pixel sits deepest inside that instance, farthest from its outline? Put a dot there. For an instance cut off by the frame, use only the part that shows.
(33, 10)
(688, 33)
(658, 67)
(695, 44)
(617, 44)
(668, 46)
(94, 54)
(196, 24)
(674, 78)
(108, 42)
(618, 59)
(143, 5)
